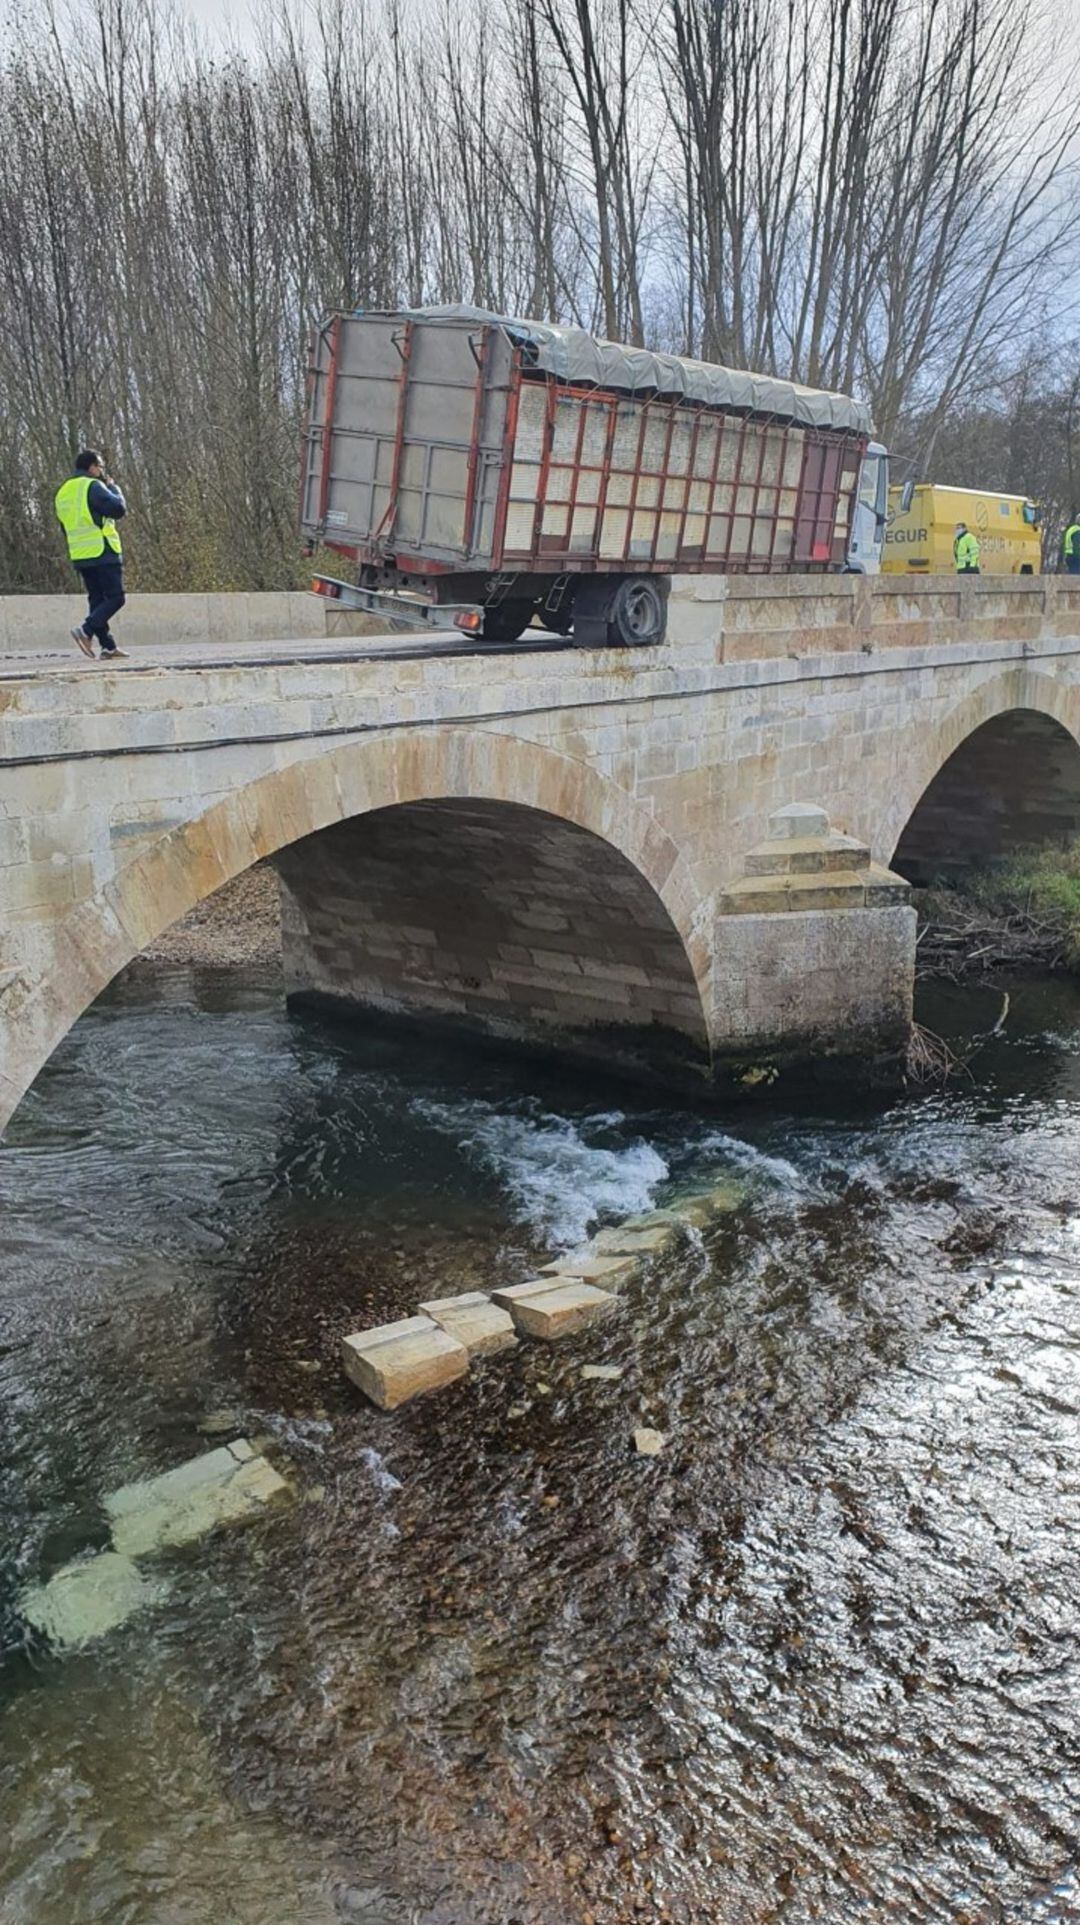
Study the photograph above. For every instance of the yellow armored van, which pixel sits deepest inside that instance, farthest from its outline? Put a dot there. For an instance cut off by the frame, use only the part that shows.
(922, 526)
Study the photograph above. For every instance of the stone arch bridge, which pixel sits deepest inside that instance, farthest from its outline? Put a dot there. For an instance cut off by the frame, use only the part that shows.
(679, 857)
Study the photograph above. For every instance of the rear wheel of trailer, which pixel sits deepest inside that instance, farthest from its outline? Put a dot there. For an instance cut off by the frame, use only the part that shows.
(620, 610)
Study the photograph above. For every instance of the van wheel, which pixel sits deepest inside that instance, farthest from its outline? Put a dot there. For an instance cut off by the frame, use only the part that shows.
(504, 621)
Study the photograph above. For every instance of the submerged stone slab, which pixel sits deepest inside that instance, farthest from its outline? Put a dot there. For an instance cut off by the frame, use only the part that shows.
(591, 1267)
(649, 1443)
(473, 1320)
(551, 1307)
(220, 1487)
(645, 1240)
(88, 1598)
(601, 1373)
(396, 1361)
(218, 1423)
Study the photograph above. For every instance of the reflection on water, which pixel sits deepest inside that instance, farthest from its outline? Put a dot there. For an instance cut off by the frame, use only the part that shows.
(816, 1662)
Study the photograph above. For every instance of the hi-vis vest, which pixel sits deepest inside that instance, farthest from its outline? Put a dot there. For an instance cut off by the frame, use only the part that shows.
(1071, 544)
(966, 552)
(87, 540)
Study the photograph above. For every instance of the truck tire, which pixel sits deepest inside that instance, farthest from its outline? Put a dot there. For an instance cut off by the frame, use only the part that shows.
(504, 621)
(627, 612)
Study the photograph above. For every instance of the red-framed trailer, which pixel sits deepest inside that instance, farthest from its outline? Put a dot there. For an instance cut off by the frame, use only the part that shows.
(510, 469)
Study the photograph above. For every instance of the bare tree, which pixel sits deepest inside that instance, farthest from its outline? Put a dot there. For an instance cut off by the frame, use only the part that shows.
(867, 194)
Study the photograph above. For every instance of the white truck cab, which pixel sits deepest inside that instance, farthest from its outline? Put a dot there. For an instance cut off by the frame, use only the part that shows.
(871, 513)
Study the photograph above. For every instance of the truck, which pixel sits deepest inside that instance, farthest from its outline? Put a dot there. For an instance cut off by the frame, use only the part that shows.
(481, 471)
(922, 524)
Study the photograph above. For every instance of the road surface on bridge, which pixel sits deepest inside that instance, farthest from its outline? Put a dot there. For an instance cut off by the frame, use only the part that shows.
(146, 657)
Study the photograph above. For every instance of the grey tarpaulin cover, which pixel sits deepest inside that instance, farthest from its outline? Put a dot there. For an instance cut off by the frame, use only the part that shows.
(572, 355)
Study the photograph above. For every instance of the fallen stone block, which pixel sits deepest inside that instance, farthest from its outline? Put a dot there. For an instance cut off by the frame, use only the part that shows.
(217, 1423)
(699, 1208)
(590, 1268)
(220, 1487)
(87, 1598)
(695, 1212)
(644, 1241)
(654, 1219)
(397, 1361)
(649, 1443)
(601, 1373)
(552, 1307)
(473, 1320)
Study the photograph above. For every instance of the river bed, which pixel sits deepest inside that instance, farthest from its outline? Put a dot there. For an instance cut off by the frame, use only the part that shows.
(817, 1661)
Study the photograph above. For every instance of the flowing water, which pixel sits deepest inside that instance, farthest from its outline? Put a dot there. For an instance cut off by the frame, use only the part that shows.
(817, 1661)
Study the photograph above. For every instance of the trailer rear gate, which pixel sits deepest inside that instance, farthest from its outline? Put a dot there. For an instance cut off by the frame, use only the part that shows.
(434, 448)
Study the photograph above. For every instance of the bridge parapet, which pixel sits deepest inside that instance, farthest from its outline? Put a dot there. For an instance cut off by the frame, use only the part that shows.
(756, 617)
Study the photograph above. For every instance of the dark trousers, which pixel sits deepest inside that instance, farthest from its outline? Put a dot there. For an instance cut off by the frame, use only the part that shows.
(1072, 564)
(104, 584)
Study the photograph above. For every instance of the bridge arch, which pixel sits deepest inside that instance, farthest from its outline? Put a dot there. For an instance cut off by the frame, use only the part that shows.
(1001, 773)
(449, 771)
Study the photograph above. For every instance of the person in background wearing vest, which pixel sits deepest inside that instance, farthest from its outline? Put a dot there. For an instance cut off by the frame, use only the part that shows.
(1070, 547)
(965, 550)
(88, 508)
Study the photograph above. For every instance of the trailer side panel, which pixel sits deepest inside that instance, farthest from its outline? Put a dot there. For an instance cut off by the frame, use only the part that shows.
(434, 449)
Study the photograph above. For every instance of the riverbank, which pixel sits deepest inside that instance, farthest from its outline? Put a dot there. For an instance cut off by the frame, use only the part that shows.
(1022, 914)
(238, 926)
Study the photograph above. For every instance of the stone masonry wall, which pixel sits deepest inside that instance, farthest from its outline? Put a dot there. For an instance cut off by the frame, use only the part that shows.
(1013, 784)
(493, 915)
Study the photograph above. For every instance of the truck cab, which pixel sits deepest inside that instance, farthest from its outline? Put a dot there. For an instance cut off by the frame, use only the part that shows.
(867, 542)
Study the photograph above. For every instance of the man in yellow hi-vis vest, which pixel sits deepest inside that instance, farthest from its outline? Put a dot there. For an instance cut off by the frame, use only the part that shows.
(88, 507)
(965, 550)
(1070, 547)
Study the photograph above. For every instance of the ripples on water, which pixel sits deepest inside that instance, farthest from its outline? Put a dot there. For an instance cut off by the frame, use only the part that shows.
(816, 1662)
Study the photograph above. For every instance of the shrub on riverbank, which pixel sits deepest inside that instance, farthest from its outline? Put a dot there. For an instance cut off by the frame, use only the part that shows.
(1021, 912)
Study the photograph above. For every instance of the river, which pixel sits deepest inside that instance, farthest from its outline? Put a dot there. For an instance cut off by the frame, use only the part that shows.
(817, 1661)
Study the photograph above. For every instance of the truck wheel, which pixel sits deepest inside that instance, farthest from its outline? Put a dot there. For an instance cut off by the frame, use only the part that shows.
(638, 612)
(626, 613)
(505, 621)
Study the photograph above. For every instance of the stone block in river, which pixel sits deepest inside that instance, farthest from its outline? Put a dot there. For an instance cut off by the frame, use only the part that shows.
(644, 1240)
(554, 1306)
(397, 1361)
(220, 1487)
(87, 1598)
(590, 1267)
(473, 1320)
